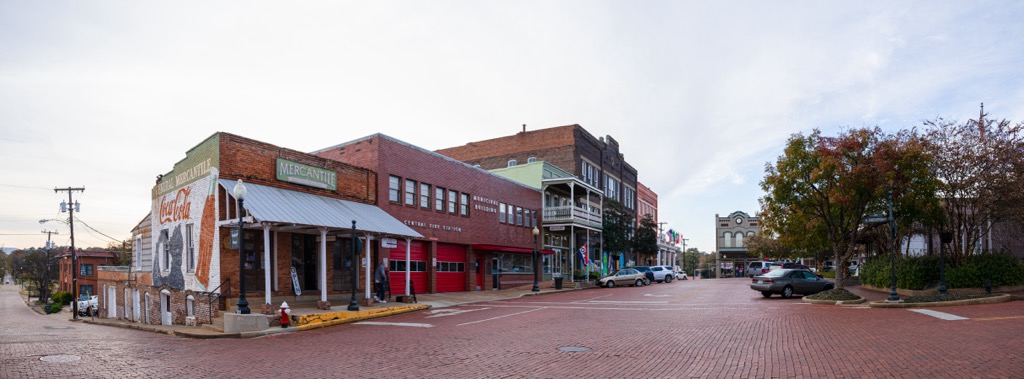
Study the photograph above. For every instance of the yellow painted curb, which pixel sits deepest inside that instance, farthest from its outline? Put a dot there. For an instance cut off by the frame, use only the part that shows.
(321, 320)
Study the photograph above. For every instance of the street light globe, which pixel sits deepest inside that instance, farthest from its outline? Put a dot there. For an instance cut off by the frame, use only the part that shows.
(535, 231)
(239, 190)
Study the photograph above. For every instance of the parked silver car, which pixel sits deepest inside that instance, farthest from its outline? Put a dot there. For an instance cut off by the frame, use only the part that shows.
(788, 282)
(626, 276)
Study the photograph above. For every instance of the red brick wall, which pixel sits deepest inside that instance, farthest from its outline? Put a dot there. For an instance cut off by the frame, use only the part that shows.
(256, 162)
(391, 157)
(554, 145)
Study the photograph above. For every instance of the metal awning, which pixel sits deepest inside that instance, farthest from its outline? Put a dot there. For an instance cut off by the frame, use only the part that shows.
(277, 205)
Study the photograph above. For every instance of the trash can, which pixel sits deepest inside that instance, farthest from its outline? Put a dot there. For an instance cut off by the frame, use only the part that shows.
(558, 280)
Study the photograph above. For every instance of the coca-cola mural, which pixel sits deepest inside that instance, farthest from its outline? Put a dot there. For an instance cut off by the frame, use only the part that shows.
(183, 219)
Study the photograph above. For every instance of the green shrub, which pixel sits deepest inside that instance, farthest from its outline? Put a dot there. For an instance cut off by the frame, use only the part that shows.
(54, 308)
(918, 272)
(61, 297)
(831, 274)
(595, 275)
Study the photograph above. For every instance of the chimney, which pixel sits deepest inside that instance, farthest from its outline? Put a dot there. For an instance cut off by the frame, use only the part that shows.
(524, 128)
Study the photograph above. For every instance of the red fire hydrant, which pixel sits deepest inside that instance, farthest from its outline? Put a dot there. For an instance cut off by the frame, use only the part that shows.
(285, 312)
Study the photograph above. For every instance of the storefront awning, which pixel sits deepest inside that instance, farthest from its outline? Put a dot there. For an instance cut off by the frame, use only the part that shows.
(277, 205)
(508, 249)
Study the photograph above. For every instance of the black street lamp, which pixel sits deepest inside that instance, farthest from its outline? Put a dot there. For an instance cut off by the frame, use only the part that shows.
(243, 305)
(893, 296)
(944, 238)
(352, 304)
(536, 268)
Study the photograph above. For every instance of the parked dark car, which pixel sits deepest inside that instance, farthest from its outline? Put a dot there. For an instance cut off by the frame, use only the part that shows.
(647, 272)
(787, 282)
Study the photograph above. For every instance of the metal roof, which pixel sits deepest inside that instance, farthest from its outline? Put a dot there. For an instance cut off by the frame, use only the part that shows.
(278, 205)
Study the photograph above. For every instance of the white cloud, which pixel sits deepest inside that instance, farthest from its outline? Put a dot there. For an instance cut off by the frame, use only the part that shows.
(700, 96)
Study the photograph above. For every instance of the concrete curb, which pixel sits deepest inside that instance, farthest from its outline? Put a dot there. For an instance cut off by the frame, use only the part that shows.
(859, 300)
(985, 300)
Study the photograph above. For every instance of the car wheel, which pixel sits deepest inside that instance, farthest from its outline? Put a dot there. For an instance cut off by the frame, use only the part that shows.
(638, 283)
(766, 294)
(610, 284)
(787, 292)
(668, 279)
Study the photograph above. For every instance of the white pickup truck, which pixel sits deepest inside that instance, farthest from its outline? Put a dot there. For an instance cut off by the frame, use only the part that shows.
(88, 305)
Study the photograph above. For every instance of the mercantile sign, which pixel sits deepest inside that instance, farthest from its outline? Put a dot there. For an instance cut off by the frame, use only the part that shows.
(298, 173)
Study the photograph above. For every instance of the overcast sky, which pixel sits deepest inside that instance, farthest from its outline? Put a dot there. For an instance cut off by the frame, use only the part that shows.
(700, 95)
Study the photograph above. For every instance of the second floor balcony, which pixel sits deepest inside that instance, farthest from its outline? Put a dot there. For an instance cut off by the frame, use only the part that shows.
(570, 214)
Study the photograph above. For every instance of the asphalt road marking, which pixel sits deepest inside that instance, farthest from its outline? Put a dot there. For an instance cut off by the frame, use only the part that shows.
(939, 315)
(451, 312)
(625, 302)
(500, 317)
(411, 324)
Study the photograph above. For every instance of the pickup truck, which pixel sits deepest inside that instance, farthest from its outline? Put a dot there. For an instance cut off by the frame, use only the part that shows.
(88, 305)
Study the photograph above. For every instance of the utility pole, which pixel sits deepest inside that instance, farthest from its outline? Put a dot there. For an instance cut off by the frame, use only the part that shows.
(71, 207)
(46, 268)
(659, 239)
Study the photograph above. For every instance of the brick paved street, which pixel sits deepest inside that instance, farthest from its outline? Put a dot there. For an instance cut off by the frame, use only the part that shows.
(705, 328)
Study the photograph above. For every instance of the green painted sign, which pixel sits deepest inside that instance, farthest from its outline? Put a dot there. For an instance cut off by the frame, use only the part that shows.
(298, 173)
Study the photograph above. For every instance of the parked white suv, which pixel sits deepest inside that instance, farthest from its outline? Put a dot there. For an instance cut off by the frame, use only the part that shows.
(663, 273)
(756, 268)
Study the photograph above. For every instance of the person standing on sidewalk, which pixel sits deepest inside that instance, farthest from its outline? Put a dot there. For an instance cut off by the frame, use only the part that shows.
(380, 278)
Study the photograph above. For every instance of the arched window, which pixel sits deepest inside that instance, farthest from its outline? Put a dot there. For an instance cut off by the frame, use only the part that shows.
(531, 159)
(739, 239)
(511, 163)
(728, 239)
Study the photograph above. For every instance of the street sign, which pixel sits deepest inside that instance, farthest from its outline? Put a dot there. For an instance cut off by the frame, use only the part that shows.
(388, 243)
(875, 218)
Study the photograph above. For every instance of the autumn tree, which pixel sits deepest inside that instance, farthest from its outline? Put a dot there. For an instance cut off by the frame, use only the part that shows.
(822, 187)
(980, 164)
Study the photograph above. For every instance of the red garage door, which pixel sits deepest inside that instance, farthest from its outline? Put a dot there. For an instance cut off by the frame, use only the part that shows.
(451, 268)
(417, 267)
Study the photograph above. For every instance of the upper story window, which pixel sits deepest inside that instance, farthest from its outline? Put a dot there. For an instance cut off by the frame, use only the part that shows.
(439, 199)
(410, 192)
(739, 239)
(511, 163)
(727, 237)
(588, 174)
(611, 187)
(519, 216)
(629, 197)
(85, 269)
(501, 213)
(393, 188)
(531, 159)
(464, 204)
(424, 195)
(453, 197)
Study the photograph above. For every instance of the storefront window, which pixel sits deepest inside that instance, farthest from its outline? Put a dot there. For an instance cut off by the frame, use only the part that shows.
(517, 264)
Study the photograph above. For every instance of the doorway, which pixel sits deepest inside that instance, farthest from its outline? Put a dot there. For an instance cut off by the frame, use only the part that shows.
(165, 307)
(305, 259)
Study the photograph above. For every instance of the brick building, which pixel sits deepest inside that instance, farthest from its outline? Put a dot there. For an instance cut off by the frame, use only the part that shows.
(731, 231)
(596, 161)
(88, 263)
(472, 221)
(571, 208)
(300, 214)
(647, 204)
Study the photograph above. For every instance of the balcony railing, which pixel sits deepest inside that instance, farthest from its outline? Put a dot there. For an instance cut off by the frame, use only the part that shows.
(572, 214)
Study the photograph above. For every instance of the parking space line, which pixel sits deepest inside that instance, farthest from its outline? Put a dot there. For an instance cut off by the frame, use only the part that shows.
(939, 315)
(412, 324)
(500, 317)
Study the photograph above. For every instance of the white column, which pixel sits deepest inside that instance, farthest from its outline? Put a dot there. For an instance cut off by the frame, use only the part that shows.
(323, 264)
(369, 281)
(267, 264)
(408, 254)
